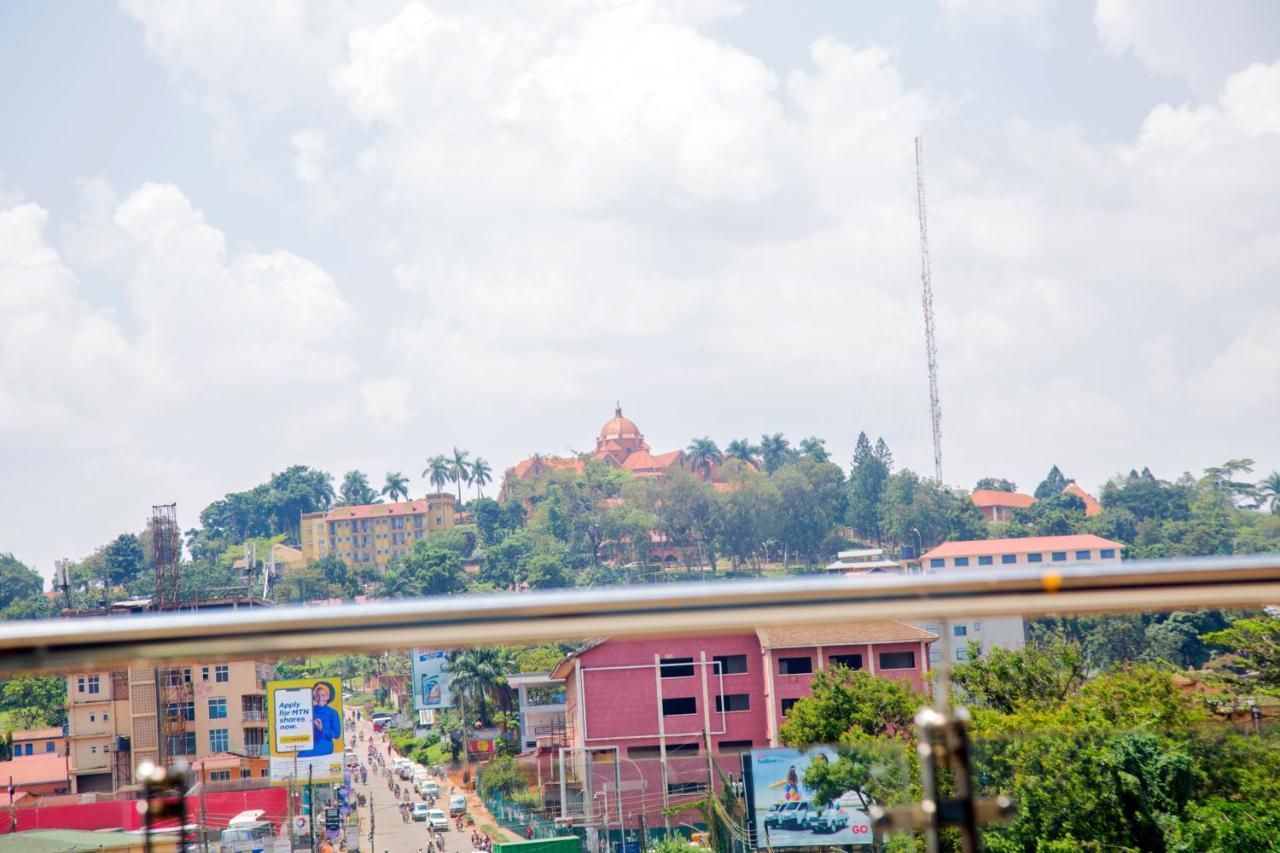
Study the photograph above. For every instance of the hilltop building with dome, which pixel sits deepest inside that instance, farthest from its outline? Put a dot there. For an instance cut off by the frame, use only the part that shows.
(620, 444)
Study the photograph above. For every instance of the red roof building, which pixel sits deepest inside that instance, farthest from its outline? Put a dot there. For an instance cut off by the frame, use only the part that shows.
(1027, 551)
(996, 505)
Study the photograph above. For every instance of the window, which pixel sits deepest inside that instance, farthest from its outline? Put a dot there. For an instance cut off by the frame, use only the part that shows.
(786, 705)
(977, 627)
(731, 664)
(937, 563)
(263, 772)
(897, 660)
(219, 775)
(679, 707)
(960, 630)
(735, 746)
(1107, 553)
(961, 562)
(1008, 559)
(673, 749)
(244, 772)
(218, 740)
(49, 747)
(185, 710)
(795, 666)
(222, 673)
(846, 661)
(204, 673)
(985, 561)
(1035, 558)
(733, 702)
(95, 684)
(686, 787)
(94, 750)
(181, 744)
(677, 667)
(1058, 556)
(962, 655)
(105, 717)
(217, 709)
(93, 718)
(1084, 555)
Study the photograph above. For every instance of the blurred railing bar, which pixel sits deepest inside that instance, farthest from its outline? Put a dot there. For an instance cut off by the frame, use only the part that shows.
(668, 609)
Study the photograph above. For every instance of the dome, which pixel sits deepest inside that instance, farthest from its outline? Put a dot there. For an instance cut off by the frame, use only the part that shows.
(619, 427)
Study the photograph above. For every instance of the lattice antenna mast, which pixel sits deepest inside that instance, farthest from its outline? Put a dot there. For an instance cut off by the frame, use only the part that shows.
(926, 300)
(165, 548)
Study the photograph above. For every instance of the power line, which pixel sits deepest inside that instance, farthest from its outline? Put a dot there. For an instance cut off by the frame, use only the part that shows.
(926, 300)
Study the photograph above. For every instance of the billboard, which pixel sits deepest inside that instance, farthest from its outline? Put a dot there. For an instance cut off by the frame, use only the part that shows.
(782, 809)
(431, 680)
(306, 729)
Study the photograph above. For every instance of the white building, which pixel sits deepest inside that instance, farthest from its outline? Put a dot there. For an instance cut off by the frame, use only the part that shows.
(542, 704)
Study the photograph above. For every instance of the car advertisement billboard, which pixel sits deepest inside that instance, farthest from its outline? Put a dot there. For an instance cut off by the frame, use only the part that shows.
(431, 680)
(305, 729)
(783, 811)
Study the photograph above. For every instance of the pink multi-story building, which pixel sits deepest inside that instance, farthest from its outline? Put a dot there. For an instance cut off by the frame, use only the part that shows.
(646, 720)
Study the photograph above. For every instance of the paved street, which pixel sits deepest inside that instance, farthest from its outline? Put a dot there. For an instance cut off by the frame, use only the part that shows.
(391, 833)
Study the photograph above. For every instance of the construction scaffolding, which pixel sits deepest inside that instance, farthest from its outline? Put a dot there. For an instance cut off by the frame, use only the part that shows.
(166, 549)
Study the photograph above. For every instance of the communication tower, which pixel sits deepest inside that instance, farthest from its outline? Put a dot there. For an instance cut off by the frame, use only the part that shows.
(926, 299)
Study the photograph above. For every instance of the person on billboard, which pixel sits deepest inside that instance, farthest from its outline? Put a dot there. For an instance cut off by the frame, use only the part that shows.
(327, 723)
(790, 786)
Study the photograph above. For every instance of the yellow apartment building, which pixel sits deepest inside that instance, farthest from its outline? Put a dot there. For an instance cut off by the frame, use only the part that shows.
(119, 718)
(371, 535)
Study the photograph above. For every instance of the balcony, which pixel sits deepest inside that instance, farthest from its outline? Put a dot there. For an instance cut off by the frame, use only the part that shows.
(253, 716)
(256, 750)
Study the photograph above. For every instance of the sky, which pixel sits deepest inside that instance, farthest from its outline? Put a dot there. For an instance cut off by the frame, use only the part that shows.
(239, 235)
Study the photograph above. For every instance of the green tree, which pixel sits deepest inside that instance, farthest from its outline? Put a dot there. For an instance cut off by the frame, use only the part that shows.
(479, 676)
(546, 572)
(811, 499)
(124, 559)
(844, 700)
(909, 504)
(17, 581)
(1053, 484)
(437, 471)
(775, 451)
(742, 450)
(703, 454)
(867, 480)
(424, 571)
(397, 486)
(996, 484)
(815, 448)
(1008, 680)
(1255, 642)
(1268, 491)
(459, 471)
(356, 490)
(481, 475)
(44, 696)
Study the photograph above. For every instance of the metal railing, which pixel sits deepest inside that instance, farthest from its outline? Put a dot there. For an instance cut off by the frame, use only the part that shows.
(453, 621)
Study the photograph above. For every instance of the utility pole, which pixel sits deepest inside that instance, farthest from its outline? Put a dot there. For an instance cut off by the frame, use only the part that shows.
(204, 814)
(371, 813)
(311, 798)
(926, 301)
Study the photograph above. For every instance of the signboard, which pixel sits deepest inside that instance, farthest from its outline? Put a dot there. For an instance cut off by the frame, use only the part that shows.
(431, 679)
(306, 730)
(783, 813)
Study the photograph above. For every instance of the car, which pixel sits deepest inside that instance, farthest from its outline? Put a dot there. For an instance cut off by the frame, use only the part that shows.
(827, 820)
(428, 788)
(421, 811)
(457, 804)
(437, 819)
(781, 816)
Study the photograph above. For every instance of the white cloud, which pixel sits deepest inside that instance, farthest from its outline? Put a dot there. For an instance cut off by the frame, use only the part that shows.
(387, 400)
(309, 154)
(1244, 378)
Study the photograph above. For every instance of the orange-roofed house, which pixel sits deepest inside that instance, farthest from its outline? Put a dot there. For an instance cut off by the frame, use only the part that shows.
(36, 774)
(31, 742)
(373, 534)
(999, 506)
(1009, 632)
(1091, 505)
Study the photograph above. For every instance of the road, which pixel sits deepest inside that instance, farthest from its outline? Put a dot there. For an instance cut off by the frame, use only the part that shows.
(391, 833)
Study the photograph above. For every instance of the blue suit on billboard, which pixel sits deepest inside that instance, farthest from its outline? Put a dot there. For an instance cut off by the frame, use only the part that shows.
(325, 720)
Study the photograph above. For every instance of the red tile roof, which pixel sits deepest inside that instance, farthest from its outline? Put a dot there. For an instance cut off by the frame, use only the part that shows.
(1029, 544)
(525, 467)
(38, 734)
(34, 770)
(842, 634)
(994, 497)
(1091, 505)
(342, 513)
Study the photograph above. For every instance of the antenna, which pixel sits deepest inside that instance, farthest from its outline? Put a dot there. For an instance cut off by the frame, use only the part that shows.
(926, 300)
(166, 551)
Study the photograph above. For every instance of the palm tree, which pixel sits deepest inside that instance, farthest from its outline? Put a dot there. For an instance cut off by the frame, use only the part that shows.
(1269, 492)
(742, 449)
(397, 485)
(459, 471)
(356, 490)
(437, 471)
(815, 448)
(479, 674)
(703, 453)
(480, 475)
(775, 450)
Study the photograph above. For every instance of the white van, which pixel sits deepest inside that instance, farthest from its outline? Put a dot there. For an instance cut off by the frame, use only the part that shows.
(247, 832)
(427, 788)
